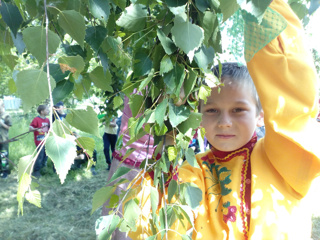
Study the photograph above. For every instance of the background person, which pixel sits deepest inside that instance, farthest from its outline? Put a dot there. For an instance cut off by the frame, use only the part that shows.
(40, 126)
(5, 124)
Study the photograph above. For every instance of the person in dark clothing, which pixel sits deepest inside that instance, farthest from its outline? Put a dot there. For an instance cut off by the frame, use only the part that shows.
(59, 111)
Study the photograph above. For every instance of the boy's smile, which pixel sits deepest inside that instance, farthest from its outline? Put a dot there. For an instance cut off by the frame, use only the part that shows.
(229, 117)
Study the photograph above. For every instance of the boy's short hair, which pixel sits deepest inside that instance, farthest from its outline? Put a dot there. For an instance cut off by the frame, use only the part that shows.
(41, 108)
(239, 75)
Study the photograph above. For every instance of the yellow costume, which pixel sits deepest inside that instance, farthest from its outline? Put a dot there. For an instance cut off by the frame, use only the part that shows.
(255, 192)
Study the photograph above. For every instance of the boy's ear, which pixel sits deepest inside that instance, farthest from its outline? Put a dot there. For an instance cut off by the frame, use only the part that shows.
(260, 121)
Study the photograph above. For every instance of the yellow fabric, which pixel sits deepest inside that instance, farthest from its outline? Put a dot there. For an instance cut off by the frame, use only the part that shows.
(283, 164)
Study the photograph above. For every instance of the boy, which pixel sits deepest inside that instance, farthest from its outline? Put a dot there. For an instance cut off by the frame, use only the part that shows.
(59, 111)
(40, 127)
(253, 190)
(5, 124)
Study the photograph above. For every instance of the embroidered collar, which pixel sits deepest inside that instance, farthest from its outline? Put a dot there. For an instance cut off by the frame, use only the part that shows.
(226, 156)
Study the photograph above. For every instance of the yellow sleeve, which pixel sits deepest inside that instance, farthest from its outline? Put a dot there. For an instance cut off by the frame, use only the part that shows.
(286, 82)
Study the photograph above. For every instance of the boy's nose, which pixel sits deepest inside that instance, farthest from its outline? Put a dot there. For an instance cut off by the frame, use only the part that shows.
(224, 121)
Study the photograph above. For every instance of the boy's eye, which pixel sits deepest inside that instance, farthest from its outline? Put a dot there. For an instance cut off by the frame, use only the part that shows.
(236, 110)
(212, 110)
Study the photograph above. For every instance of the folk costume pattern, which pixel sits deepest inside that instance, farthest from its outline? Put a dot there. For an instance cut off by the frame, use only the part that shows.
(219, 179)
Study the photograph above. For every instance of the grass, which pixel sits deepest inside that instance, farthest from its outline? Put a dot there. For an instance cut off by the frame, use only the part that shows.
(66, 209)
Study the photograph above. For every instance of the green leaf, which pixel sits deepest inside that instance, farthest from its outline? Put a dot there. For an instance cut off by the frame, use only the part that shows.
(131, 214)
(74, 64)
(136, 104)
(228, 8)
(87, 144)
(165, 65)
(142, 63)
(61, 128)
(160, 112)
(32, 87)
(56, 73)
(4, 48)
(117, 102)
(202, 5)
(10, 61)
(11, 15)
(146, 81)
(177, 114)
(62, 90)
(101, 79)
(204, 57)
(190, 82)
(192, 122)
(192, 194)
(166, 42)
(257, 8)
(191, 158)
(113, 48)
(119, 173)
(133, 18)
(172, 189)
(35, 40)
(101, 196)
(12, 86)
(176, 3)
(24, 166)
(100, 9)
(299, 9)
(24, 183)
(209, 24)
(186, 212)
(85, 120)
(18, 42)
(73, 23)
(154, 197)
(204, 93)
(188, 37)
(172, 153)
(106, 225)
(62, 152)
(34, 197)
(95, 36)
(160, 130)
(174, 79)
(80, 88)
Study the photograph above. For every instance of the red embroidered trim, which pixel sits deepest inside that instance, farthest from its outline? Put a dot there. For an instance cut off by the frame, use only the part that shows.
(244, 193)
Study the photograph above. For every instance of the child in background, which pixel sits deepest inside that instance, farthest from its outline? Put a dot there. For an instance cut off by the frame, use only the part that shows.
(5, 124)
(109, 140)
(59, 111)
(250, 189)
(40, 126)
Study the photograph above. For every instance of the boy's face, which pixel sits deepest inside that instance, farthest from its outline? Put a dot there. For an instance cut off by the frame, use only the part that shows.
(45, 112)
(60, 109)
(229, 117)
